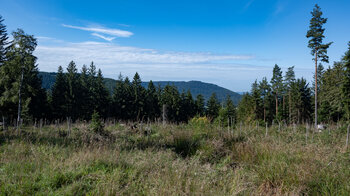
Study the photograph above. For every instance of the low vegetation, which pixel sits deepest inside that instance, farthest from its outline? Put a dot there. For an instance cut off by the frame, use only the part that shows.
(155, 159)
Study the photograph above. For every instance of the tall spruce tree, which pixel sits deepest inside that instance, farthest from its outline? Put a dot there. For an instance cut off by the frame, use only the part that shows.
(200, 105)
(265, 91)
(152, 106)
(213, 107)
(102, 97)
(318, 49)
(59, 95)
(73, 85)
(138, 98)
(289, 79)
(3, 41)
(277, 85)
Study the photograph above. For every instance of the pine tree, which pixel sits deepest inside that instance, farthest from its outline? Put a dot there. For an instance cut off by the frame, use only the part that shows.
(138, 98)
(72, 95)
(171, 99)
(245, 109)
(59, 95)
(318, 49)
(199, 103)
(3, 41)
(277, 84)
(152, 106)
(102, 98)
(258, 102)
(213, 107)
(265, 91)
(289, 79)
(85, 96)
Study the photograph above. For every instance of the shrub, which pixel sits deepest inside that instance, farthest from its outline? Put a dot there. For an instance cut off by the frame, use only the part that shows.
(96, 124)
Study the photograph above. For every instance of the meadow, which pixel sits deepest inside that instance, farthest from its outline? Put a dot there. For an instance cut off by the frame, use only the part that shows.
(197, 158)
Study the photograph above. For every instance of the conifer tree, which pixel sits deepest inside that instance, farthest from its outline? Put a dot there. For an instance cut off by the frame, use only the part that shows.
(289, 79)
(72, 95)
(152, 106)
(318, 49)
(213, 107)
(171, 99)
(3, 41)
(102, 98)
(199, 103)
(138, 98)
(277, 84)
(59, 95)
(265, 92)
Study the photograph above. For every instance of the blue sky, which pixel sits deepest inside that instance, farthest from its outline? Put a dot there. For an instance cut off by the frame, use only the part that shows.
(226, 42)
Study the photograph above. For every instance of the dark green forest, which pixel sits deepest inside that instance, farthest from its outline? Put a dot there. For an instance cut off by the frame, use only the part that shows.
(195, 87)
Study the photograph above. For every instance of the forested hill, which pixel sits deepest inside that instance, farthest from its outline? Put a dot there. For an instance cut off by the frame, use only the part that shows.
(196, 87)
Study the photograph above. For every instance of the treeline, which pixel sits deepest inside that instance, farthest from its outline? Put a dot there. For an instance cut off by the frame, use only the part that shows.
(291, 100)
(285, 98)
(77, 95)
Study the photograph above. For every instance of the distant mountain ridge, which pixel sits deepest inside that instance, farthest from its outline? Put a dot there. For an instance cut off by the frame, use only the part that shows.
(195, 87)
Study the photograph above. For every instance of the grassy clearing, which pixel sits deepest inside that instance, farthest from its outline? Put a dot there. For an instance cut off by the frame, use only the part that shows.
(174, 160)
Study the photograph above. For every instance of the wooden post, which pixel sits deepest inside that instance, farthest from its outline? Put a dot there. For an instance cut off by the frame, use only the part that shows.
(40, 124)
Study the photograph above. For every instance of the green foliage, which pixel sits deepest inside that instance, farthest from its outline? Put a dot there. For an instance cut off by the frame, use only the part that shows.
(21, 61)
(96, 124)
(3, 41)
(213, 107)
(315, 34)
(227, 114)
(346, 84)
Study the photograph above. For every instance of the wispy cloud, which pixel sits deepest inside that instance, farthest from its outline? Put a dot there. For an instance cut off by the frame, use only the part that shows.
(103, 37)
(109, 53)
(107, 31)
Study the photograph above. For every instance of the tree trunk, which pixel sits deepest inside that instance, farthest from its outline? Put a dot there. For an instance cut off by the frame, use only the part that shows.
(316, 90)
(290, 107)
(284, 107)
(276, 104)
(19, 103)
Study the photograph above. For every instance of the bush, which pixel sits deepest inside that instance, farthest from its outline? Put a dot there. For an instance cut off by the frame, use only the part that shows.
(199, 121)
(96, 124)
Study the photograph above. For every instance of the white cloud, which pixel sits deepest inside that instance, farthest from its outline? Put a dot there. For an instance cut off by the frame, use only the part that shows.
(107, 31)
(103, 37)
(223, 69)
(108, 53)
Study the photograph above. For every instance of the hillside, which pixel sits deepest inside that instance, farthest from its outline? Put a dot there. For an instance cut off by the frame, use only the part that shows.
(196, 87)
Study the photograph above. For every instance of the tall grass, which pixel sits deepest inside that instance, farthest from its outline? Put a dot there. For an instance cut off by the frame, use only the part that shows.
(187, 159)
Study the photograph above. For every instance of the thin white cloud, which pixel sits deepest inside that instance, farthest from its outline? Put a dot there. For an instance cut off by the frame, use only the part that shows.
(107, 31)
(109, 53)
(224, 69)
(103, 37)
